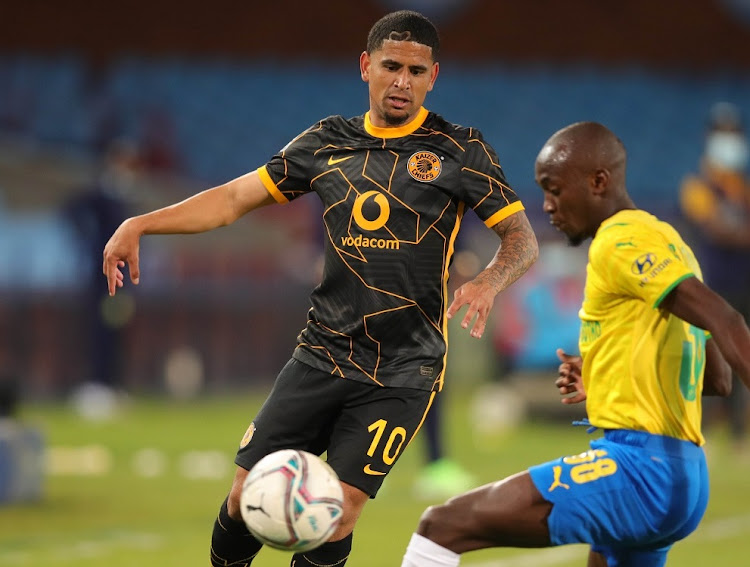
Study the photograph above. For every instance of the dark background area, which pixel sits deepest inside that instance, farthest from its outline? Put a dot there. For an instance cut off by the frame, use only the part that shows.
(209, 91)
(698, 34)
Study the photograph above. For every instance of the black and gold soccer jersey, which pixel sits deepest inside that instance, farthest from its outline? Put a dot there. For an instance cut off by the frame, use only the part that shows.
(393, 202)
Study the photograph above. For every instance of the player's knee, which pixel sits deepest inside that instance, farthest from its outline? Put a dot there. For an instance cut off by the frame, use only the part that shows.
(428, 521)
(354, 502)
(233, 502)
(436, 524)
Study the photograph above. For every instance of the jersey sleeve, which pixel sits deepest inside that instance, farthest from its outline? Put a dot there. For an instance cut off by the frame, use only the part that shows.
(483, 184)
(289, 173)
(635, 261)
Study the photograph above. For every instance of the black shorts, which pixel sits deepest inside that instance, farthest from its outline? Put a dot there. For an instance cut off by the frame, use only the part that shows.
(363, 428)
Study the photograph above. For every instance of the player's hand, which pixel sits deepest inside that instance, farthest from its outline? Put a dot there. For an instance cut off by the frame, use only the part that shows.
(121, 249)
(569, 381)
(478, 296)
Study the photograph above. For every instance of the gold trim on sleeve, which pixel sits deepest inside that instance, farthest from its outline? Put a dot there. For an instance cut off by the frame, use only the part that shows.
(271, 186)
(504, 213)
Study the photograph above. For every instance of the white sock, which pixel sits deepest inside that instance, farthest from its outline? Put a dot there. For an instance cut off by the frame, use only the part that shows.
(422, 552)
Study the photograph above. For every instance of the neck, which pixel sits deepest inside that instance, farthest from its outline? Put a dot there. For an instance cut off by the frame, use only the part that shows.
(623, 203)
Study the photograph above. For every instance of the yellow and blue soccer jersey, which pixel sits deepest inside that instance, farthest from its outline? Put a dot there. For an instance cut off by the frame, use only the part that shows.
(643, 367)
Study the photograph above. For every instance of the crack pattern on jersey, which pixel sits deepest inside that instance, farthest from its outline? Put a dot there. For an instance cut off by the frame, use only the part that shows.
(392, 210)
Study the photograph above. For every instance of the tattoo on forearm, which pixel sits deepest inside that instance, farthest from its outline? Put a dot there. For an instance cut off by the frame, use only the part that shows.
(517, 252)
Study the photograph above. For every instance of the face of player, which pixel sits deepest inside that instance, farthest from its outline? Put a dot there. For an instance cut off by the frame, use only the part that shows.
(399, 75)
(567, 198)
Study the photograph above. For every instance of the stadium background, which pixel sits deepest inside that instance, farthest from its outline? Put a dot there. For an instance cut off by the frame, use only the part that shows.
(209, 92)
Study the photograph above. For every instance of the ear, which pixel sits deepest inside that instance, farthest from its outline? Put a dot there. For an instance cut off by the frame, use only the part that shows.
(433, 76)
(600, 181)
(364, 66)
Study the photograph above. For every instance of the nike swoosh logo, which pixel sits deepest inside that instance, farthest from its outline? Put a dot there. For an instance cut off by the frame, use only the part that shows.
(334, 161)
(369, 471)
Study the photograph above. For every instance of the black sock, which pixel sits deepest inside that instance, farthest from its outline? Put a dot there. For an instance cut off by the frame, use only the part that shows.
(231, 543)
(330, 554)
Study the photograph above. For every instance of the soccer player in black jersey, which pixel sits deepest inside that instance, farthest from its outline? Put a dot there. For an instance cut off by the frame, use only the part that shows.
(395, 184)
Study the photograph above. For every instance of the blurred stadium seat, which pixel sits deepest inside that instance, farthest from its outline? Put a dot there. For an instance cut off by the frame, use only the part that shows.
(225, 117)
(229, 117)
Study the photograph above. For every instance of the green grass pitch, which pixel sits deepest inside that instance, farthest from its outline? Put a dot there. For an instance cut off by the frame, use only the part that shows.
(163, 514)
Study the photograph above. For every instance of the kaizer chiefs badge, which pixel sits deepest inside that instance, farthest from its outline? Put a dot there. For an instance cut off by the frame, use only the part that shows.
(248, 435)
(424, 166)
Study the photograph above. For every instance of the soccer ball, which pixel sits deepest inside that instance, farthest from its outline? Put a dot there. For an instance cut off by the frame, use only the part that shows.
(292, 500)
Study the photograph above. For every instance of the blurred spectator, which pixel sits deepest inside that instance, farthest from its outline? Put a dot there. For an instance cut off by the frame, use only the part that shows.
(95, 213)
(440, 477)
(716, 203)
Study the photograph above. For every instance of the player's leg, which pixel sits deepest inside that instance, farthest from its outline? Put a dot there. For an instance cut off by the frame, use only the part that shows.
(540, 507)
(509, 512)
(336, 551)
(627, 557)
(330, 554)
(299, 414)
(658, 468)
(694, 491)
(372, 430)
(596, 560)
(231, 542)
(231, 533)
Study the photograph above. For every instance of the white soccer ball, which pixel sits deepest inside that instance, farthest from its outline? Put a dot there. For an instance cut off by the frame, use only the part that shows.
(292, 500)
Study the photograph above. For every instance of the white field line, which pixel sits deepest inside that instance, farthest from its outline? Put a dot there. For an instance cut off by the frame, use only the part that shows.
(716, 530)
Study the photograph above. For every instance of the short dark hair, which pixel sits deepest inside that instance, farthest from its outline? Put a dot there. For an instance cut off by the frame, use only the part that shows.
(404, 25)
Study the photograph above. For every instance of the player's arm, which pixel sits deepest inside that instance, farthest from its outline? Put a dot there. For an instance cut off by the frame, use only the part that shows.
(518, 251)
(694, 302)
(717, 378)
(212, 208)
(569, 380)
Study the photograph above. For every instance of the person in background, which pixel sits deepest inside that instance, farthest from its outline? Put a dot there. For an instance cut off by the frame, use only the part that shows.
(94, 213)
(715, 202)
(654, 339)
(440, 476)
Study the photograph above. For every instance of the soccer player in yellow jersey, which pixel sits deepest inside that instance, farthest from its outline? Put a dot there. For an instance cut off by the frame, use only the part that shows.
(653, 340)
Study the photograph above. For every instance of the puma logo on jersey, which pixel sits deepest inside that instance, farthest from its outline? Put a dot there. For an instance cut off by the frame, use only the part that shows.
(556, 482)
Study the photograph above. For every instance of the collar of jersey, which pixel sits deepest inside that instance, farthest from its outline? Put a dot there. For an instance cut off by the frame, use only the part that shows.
(624, 216)
(399, 132)
(627, 214)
